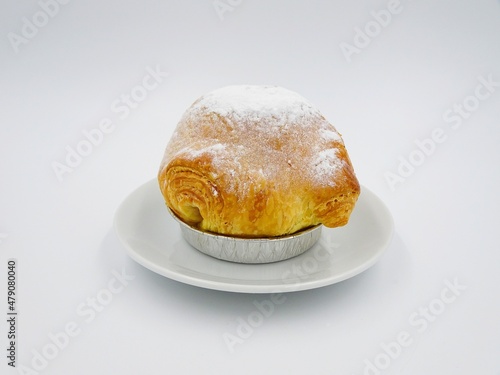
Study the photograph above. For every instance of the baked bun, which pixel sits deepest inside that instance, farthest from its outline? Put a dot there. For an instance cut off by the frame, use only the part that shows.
(257, 161)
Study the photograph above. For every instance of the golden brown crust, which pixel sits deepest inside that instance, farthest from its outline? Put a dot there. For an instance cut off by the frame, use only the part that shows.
(257, 161)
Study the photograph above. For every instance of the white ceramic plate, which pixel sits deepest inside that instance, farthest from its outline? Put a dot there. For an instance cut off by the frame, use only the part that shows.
(153, 239)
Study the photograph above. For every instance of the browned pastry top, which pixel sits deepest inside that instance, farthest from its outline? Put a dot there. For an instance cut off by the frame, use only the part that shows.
(257, 161)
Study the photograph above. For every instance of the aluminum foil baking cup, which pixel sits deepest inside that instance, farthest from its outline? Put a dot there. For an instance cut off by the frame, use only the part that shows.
(249, 250)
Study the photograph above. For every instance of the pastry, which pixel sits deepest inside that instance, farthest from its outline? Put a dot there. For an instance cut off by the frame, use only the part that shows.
(257, 161)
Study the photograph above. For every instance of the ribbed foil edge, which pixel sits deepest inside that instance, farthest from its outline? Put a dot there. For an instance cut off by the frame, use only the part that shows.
(249, 250)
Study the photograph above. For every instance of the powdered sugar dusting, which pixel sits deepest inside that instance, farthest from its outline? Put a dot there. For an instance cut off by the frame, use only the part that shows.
(211, 149)
(253, 134)
(256, 102)
(326, 164)
(330, 135)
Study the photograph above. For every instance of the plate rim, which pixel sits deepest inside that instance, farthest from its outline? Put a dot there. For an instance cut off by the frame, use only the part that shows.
(253, 288)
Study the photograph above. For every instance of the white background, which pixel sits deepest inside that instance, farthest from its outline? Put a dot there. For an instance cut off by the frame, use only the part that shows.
(393, 92)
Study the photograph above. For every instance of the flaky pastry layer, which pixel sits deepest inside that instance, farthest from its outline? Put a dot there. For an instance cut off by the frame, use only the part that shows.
(257, 161)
